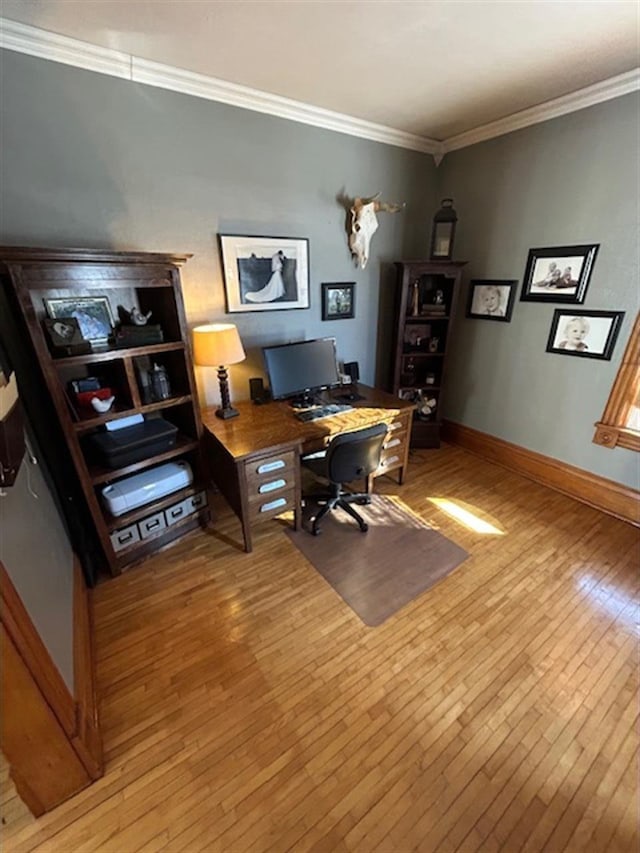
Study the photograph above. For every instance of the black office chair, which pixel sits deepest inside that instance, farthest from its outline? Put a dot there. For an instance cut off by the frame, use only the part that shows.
(349, 456)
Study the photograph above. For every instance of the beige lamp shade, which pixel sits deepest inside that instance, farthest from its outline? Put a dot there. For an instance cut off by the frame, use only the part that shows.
(216, 344)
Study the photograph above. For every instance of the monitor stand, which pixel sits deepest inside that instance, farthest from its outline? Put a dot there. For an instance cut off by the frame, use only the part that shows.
(304, 401)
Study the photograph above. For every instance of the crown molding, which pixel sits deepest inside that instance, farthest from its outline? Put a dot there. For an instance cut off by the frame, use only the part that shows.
(46, 45)
(23, 38)
(606, 90)
(34, 41)
(213, 89)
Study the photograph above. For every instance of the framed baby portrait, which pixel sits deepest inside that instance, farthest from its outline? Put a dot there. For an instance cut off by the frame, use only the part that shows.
(491, 300)
(588, 334)
(265, 273)
(558, 275)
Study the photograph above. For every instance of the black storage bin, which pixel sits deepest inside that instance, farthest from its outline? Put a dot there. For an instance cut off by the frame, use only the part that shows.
(122, 447)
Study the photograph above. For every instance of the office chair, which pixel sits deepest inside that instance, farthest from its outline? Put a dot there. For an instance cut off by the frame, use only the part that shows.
(349, 456)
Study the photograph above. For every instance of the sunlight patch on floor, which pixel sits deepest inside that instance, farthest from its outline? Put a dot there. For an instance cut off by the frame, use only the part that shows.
(466, 517)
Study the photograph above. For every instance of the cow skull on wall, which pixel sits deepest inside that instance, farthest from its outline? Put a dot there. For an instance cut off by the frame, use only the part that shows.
(364, 224)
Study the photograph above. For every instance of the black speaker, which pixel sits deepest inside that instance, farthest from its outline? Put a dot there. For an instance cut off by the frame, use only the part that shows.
(352, 370)
(259, 394)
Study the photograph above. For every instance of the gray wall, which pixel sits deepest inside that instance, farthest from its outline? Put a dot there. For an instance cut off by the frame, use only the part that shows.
(95, 161)
(36, 553)
(89, 160)
(573, 180)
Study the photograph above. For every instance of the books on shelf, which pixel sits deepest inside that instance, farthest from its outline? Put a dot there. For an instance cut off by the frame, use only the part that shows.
(138, 336)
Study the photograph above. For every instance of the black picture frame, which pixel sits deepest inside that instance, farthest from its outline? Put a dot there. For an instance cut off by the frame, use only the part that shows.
(63, 332)
(559, 274)
(491, 299)
(338, 300)
(585, 334)
(93, 314)
(264, 273)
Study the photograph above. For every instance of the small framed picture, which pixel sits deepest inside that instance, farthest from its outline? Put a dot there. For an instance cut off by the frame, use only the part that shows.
(558, 275)
(265, 273)
(93, 314)
(588, 334)
(339, 300)
(491, 300)
(416, 335)
(64, 332)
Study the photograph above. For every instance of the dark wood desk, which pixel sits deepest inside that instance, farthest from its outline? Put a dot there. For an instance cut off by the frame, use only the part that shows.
(254, 459)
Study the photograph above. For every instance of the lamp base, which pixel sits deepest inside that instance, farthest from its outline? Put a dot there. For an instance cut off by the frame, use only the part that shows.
(229, 412)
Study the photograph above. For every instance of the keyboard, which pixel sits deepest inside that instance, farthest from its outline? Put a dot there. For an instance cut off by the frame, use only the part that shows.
(319, 412)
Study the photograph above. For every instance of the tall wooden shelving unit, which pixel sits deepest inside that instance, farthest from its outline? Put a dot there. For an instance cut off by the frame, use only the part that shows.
(150, 282)
(426, 299)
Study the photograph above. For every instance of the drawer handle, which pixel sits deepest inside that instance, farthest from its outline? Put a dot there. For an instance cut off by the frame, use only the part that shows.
(273, 505)
(151, 524)
(266, 467)
(394, 425)
(269, 487)
(177, 511)
(392, 443)
(386, 462)
(197, 501)
(124, 537)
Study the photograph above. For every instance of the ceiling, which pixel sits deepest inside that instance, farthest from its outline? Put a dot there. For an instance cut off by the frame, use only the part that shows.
(433, 68)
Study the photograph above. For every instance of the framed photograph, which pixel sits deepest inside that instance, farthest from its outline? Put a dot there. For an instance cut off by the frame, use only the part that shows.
(339, 300)
(64, 332)
(416, 335)
(558, 275)
(491, 300)
(588, 334)
(265, 273)
(93, 314)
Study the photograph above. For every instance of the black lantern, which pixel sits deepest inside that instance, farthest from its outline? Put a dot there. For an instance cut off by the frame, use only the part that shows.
(443, 232)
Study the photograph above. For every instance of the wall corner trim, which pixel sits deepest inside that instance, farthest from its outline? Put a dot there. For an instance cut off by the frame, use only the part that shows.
(606, 495)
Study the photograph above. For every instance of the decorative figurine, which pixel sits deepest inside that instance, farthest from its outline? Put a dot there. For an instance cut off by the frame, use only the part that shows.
(102, 406)
(415, 300)
(138, 318)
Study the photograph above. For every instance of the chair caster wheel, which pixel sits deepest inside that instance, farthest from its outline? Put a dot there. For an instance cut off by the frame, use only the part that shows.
(316, 532)
(363, 501)
(364, 528)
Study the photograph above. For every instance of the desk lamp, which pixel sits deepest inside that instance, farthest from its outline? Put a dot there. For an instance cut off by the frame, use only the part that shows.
(217, 345)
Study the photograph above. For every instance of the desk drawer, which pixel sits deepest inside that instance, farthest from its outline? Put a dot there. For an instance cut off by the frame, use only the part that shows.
(268, 469)
(401, 423)
(394, 452)
(270, 488)
(267, 506)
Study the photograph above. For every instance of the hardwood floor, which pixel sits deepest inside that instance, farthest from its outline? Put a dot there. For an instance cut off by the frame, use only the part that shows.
(246, 708)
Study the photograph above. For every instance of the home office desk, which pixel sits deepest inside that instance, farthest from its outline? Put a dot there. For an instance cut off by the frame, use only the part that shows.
(254, 458)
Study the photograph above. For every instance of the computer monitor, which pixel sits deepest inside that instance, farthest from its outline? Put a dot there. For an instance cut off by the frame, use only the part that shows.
(301, 369)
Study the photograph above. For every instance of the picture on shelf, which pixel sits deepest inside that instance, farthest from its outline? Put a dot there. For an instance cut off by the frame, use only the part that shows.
(265, 273)
(64, 333)
(589, 334)
(559, 274)
(491, 300)
(416, 335)
(92, 313)
(409, 394)
(338, 300)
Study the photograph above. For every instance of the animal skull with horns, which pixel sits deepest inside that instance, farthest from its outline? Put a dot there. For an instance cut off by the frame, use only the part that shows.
(364, 224)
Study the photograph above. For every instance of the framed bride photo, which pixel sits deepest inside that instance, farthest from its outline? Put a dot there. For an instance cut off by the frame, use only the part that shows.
(265, 273)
